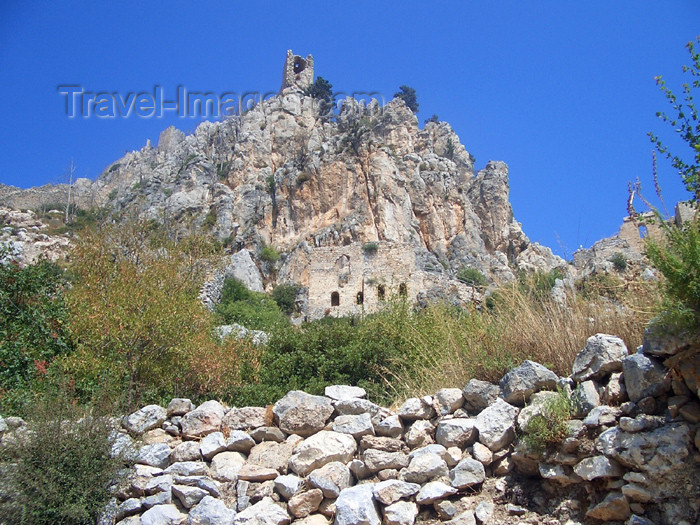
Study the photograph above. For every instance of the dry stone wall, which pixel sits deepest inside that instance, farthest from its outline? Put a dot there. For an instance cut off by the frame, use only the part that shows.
(460, 456)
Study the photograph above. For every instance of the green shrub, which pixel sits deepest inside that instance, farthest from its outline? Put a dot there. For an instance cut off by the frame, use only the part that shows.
(302, 178)
(601, 285)
(538, 285)
(677, 257)
(331, 351)
(270, 183)
(285, 296)
(254, 310)
(549, 427)
(370, 248)
(134, 310)
(32, 325)
(619, 261)
(450, 148)
(269, 254)
(63, 472)
(472, 277)
(210, 219)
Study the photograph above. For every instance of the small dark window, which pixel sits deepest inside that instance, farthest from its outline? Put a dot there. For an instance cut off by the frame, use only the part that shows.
(403, 291)
(360, 298)
(381, 292)
(335, 299)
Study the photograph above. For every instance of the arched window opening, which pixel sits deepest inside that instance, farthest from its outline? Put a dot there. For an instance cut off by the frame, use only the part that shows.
(335, 299)
(403, 291)
(643, 232)
(360, 298)
(381, 292)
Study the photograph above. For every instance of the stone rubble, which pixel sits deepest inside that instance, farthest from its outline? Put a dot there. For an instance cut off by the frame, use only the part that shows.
(436, 459)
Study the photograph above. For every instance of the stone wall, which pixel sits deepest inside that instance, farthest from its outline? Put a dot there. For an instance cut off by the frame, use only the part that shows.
(361, 278)
(298, 72)
(629, 454)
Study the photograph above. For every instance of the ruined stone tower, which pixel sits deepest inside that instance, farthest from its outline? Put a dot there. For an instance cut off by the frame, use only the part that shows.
(298, 71)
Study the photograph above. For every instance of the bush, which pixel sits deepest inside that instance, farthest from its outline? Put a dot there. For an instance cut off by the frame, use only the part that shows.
(134, 310)
(32, 325)
(62, 472)
(331, 351)
(549, 427)
(619, 261)
(677, 257)
(269, 254)
(370, 248)
(254, 310)
(472, 277)
(285, 296)
(302, 178)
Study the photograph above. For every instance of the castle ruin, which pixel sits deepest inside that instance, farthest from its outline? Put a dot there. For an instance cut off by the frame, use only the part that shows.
(298, 72)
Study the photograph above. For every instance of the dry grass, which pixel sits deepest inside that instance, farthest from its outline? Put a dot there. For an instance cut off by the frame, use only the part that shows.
(454, 347)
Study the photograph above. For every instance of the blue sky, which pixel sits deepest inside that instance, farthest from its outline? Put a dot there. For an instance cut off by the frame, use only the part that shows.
(563, 92)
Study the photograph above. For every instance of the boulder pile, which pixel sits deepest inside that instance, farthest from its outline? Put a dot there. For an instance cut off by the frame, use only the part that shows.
(628, 454)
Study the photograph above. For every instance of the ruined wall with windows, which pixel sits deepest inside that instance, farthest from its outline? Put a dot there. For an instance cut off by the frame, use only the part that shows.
(352, 279)
(346, 280)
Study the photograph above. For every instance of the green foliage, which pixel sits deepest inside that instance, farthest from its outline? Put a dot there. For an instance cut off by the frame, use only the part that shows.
(302, 178)
(322, 91)
(32, 324)
(285, 296)
(63, 472)
(210, 219)
(222, 169)
(685, 122)
(408, 95)
(254, 310)
(450, 148)
(538, 285)
(370, 248)
(619, 261)
(549, 427)
(472, 277)
(601, 285)
(433, 118)
(270, 183)
(677, 257)
(332, 351)
(134, 309)
(269, 254)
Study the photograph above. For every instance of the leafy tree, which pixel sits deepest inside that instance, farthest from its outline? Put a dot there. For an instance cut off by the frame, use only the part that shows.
(408, 95)
(685, 122)
(134, 308)
(32, 321)
(322, 91)
(433, 118)
(285, 296)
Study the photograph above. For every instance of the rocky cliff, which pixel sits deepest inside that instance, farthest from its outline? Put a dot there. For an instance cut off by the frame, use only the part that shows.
(288, 175)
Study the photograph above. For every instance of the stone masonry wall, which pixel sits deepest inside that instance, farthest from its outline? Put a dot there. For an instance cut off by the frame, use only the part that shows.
(459, 457)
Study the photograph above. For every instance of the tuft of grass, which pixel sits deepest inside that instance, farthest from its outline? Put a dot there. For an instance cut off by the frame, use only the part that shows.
(370, 248)
(619, 261)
